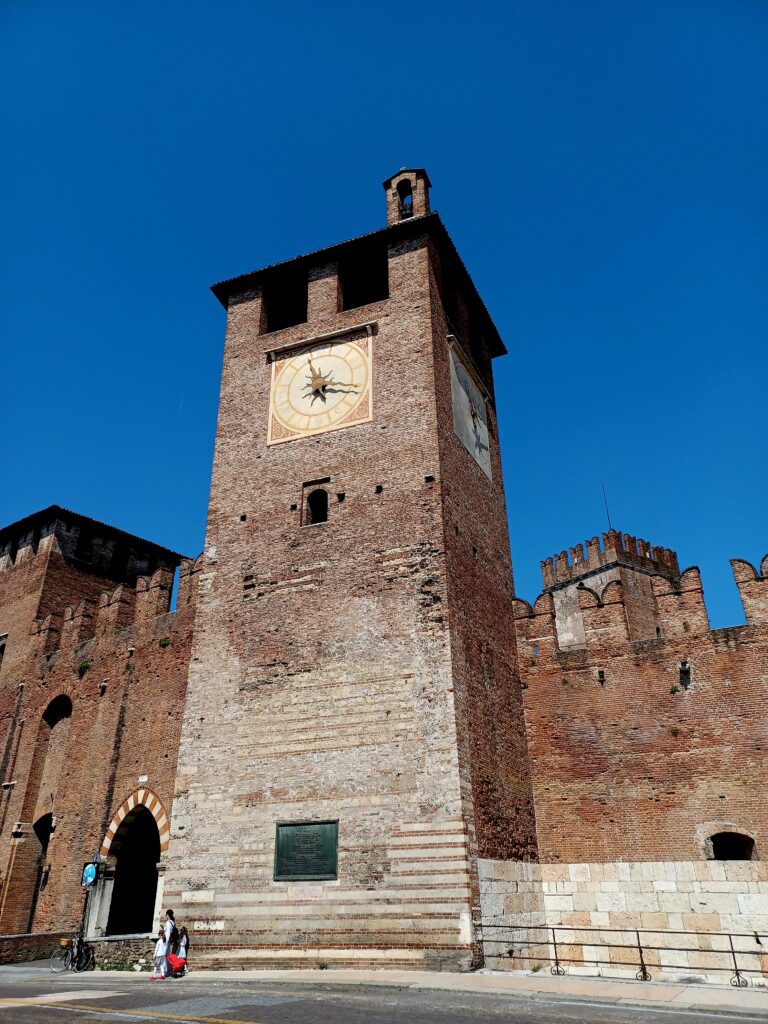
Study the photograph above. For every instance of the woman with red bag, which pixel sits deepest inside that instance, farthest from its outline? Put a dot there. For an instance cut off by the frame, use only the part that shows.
(177, 961)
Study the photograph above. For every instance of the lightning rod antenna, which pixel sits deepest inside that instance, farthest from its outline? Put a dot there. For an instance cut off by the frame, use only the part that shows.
(605, 502)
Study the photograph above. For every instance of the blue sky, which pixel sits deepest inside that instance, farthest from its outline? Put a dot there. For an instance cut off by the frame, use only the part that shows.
(600, 165)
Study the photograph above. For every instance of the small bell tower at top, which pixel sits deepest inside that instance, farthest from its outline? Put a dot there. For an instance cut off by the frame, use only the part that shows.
(407, 194)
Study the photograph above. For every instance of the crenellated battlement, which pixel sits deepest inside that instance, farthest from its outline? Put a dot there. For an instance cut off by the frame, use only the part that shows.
(26, 548)
(615, 548)
(675, 612)
(84, 544)
(128, 612)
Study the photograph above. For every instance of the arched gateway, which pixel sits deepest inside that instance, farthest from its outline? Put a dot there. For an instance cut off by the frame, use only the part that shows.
(124, 900)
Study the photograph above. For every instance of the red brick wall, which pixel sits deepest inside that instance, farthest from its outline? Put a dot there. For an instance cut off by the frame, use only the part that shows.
(127, 701)
(638, 768)
(16, 949)
(490, 724)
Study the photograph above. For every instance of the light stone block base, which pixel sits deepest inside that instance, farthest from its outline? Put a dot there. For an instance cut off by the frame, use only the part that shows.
(708, 900)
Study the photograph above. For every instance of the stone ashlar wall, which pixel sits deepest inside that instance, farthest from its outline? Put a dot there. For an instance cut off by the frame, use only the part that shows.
(594, 904)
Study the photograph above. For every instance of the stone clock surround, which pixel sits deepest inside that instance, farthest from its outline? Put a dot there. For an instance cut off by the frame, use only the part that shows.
(361, 336)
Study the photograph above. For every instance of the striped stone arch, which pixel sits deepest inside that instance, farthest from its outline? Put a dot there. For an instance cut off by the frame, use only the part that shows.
(140, 798)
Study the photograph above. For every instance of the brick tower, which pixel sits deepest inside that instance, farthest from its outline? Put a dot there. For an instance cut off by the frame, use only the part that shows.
(353, 741)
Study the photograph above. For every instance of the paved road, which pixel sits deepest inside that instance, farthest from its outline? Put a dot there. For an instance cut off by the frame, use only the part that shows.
(31, 995)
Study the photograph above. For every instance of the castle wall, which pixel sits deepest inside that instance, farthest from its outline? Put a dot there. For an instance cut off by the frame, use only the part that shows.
(640, 765)
(600, 910)
(122, 663)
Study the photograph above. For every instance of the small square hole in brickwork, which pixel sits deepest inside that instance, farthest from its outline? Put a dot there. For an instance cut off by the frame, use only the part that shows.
(429, 479)
(378, 489)
(340, 497)
(243, 518)
(294, 507)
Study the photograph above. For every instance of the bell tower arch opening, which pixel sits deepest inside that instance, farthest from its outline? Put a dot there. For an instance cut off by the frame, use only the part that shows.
(135, 851)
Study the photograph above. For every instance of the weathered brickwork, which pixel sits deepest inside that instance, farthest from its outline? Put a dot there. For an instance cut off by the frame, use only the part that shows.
(352, 670)
(647, 730)
(348, 649)
(92, 687)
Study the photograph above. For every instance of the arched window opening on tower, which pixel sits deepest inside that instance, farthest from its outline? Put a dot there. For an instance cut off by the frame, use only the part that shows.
(317, 507)
(405, 195)
(731, 846)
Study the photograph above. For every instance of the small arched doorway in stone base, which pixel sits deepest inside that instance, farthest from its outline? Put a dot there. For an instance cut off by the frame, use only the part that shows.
(125, 899)
(136, 852)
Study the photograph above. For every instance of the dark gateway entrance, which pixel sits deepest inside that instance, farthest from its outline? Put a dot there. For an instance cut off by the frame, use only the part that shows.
(136, 848)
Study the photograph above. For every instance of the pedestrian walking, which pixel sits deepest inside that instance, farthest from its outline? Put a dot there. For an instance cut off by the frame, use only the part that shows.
(171, 933)
(158, 959)
(178, 960)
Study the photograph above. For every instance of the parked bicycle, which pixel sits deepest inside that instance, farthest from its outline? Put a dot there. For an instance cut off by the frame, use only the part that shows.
(72, 953)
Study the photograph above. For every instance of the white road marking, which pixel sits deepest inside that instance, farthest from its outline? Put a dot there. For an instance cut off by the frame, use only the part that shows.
(69, 996)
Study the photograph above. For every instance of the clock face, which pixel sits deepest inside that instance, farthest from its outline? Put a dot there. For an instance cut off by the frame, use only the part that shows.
(320, 387)
(470, 416)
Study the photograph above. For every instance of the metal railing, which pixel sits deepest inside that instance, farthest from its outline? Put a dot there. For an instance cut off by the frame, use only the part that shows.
(559, 941)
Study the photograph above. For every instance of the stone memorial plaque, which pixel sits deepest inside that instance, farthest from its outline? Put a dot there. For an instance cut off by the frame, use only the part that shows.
(306, 851)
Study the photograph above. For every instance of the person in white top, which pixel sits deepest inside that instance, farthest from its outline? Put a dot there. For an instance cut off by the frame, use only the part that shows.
(158, 959)
(171, 933)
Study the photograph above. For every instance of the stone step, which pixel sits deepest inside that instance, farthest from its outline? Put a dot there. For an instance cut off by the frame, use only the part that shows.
(421, 875)
(424, 852)
(441, 827)
(278, 958)
(306, 911)
(428, 840)
(380, 935)
(412, 891)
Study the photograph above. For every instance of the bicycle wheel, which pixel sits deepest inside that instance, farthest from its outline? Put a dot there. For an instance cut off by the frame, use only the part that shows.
(61, 958)
(84, 959)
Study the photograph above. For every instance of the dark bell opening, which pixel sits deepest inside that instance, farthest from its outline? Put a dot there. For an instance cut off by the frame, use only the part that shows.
(405, 195)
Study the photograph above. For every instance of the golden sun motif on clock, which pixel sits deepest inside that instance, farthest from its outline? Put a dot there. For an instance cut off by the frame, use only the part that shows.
(319, 387)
